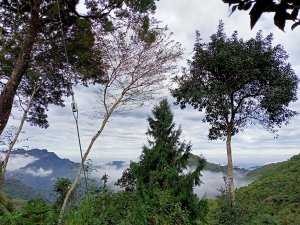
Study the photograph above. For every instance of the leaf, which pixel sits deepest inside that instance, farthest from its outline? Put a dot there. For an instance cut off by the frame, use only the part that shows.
(231, 1)
(296, 4)
(241, 5)
(233, 9)
(247, 5)
(295, 25)
(294, 13)
(279, 19)
(258, 9)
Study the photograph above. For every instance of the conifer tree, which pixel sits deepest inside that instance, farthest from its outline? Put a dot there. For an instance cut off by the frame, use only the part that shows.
(163, 182)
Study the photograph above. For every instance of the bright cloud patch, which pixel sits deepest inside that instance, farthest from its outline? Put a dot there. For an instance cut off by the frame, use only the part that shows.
(213, 182)
(18, 161)
(39, 172)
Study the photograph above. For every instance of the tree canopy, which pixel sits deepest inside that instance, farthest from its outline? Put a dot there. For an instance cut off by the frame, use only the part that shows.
(238, 83)
(35, 38)
(283, 10)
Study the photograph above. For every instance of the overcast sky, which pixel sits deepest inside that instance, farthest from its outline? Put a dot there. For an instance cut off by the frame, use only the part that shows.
(125, 135)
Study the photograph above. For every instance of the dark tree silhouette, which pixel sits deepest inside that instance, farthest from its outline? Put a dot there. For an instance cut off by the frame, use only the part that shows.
(283, 10)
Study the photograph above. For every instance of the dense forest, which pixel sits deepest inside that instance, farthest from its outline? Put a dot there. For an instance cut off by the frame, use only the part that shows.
(51, 49)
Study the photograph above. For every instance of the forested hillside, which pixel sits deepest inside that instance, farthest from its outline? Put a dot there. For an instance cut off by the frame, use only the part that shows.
(273, 198)
(275, 195)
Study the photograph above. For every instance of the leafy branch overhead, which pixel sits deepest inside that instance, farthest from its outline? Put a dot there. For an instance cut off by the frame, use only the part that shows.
(51, 41)
(284, 10)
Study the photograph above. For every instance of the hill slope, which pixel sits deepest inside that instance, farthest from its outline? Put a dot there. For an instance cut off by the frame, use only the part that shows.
(17, 189)
(274, 198)
(215, 168)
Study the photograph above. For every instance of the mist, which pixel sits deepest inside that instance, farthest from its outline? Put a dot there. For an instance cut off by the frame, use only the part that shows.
(211, 182)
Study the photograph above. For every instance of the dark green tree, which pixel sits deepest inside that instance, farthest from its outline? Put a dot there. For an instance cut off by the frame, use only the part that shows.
(127, 181)
(163, 184)
(283, 10)
(61, 188)
(229, 211)
(33, 46)
(238, 83)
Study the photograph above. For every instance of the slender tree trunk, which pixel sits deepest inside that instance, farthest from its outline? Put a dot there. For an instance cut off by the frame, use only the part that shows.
(16, 136)
(229, 159)
(20, 66)
(95, 137)
(76, 181)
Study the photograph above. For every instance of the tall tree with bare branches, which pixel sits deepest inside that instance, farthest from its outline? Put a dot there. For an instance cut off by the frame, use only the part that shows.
(135, 71)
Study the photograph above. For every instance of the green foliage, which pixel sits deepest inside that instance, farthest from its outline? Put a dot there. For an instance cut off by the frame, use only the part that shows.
(37, 211)
(102, 207)
(284, 10)
(158, 189)
(161, 182)
(275, 195)
(228, 211)
(5, 204)
(17, 189)
(238, 83)
(61, 187)
(127, 181)
(272, 199)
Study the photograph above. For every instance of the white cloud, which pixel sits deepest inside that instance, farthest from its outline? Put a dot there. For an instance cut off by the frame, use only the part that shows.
(18, 161)
(40, 172)
(213, 182)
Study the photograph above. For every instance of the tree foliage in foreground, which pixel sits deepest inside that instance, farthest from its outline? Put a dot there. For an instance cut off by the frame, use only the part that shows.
(283, 10)
(238, 83)
(33, 45)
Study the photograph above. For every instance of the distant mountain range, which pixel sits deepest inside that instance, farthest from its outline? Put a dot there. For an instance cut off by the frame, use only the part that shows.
(39, 174)
(32, 173)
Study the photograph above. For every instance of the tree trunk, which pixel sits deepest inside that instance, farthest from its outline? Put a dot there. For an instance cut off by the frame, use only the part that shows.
(81, 167)
(229, 159)
(76, 181)
(16, 136)
(20, 66)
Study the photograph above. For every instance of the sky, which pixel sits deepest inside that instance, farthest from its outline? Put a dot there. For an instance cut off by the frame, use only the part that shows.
(124, 135)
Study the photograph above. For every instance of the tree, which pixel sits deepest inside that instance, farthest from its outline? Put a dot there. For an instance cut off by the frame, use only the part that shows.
(238, 83)
(61, 188)
(135, 70)
(52, 40)
(127, 181)
(284, 10)
(162, 184)
(13, 141)
(228, 211)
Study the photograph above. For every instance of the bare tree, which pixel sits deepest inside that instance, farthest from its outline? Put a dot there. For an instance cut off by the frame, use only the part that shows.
(3, 164)
(135, 71)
